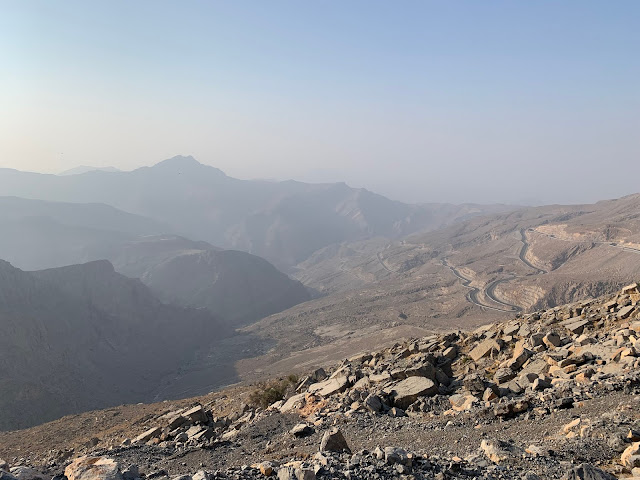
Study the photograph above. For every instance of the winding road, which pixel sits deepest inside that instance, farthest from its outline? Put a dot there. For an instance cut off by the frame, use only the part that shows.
(489, 289)
(379, 255)
(523, 252)
(609, 244)
(472, 294)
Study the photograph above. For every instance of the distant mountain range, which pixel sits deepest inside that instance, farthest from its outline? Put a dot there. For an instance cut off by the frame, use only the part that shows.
(84, 169)
(284, 222)
(137, 280)
(236, 286)
(82, 337)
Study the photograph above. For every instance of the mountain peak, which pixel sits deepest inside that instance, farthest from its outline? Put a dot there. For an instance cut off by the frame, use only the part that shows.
(182, 163)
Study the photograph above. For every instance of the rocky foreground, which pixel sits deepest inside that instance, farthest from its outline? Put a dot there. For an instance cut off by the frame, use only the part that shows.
(554, 394)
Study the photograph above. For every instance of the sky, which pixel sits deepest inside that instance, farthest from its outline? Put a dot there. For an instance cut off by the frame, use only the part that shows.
(422, 101)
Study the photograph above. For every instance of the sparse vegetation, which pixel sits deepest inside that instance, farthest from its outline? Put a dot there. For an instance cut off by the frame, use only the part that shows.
(268, 393)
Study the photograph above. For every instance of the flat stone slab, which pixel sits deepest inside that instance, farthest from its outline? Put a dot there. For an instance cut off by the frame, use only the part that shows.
(626, 311)
(484, 349)
(409, 389)
(330, 387)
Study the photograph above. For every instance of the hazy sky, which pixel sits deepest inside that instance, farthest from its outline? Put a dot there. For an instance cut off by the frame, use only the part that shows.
(420, 100)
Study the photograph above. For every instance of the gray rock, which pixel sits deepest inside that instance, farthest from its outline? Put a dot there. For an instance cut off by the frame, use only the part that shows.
(131, 473)
(334, 441)
(552, 340)
(394, 455)
(484, 349)
(148, 435)
(626, 311)
(197, 414)
(503, 375)
(318, 375)
(294, 473)
(407, 391)
(373, 403)
(302, 430)
(587, 471)
(27, 473)
(396, 412)
(473, 383)
(330, 387)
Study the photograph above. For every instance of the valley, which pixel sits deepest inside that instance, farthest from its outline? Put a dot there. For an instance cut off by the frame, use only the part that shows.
(474, 269)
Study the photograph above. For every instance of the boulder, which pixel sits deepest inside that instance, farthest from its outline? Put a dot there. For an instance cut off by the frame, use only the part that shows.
(318, 375)
(295, 401)
(6, 476)
(373, 403)
(503, 375)
(148, 435)
(330, 387)
(296, 473)
(176, 421)
(334, 441)
(393, 455)
(407, 391)
(302, 430)
(552, 340)
(576, 325)
(93, 468)
(460, 402)
(484, 349)
(27, 473)
(497, 450)
(587, 471)
(631, 456)
(266, 468)
(380, 378)
(196, 414)
(626, 312)
(201, 475)
(520, 356)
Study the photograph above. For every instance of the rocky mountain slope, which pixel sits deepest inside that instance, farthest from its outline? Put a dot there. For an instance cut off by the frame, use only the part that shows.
(481, 270)
(551, 394)
(84, 336)
(284, 222)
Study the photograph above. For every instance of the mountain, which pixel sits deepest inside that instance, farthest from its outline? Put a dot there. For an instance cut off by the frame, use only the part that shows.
(82, 337)
(284, 222)
(551, 394)
(236, 286)
(37, 234)
(471, 273)
(85, 168)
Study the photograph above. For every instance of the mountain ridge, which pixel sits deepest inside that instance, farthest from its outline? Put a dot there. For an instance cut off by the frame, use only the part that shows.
(284, 222)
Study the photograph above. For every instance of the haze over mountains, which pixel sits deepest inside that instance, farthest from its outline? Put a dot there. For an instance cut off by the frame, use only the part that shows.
(107, 268)
(85, 168)
(284, 222)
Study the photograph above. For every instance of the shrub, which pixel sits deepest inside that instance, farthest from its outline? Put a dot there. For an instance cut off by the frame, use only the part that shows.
(267, 393)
